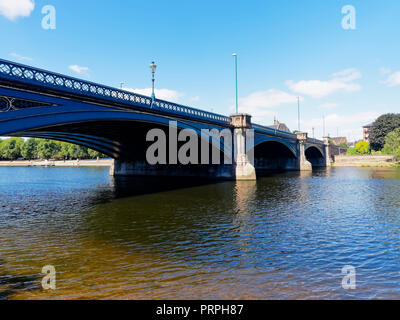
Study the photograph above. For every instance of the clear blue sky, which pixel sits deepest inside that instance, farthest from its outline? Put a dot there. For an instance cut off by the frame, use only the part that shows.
(285, 49)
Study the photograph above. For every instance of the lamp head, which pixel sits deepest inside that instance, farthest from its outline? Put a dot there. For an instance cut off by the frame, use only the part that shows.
(153, 67)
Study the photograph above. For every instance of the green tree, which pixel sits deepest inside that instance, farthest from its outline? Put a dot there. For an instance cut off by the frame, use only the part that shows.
(63, 150)
(29, 149)
(47, 149)
(93, 154)
(362, 147)
(380, 129)
(10, 149)
(397, 153)
(392, 142)
(78, 152)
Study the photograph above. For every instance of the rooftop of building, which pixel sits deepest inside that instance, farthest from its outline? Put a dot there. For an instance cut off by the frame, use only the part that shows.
(339, 140)
(279, 126)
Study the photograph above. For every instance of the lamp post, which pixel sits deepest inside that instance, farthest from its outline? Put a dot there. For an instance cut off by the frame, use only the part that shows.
(237, 106)
(121, 84)
(298, 113)
(153, 68)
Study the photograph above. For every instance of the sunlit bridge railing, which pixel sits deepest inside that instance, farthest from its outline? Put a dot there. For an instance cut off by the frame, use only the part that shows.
(273, 131)
(313, 140)
(29, 75)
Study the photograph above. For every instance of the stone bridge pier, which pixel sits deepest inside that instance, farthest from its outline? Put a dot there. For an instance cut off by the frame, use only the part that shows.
(327, 152)
(304, 164)
(243, 147)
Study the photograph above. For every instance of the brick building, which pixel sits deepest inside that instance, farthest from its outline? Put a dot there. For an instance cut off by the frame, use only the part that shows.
(366, 129)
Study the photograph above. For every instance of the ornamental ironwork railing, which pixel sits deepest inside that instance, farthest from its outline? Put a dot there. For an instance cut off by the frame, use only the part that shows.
(274, 131)
(312, 140)
(33, 76)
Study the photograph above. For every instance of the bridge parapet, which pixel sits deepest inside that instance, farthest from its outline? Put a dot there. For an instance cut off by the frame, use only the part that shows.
(26, 75)
(275, 132)
(316, 141)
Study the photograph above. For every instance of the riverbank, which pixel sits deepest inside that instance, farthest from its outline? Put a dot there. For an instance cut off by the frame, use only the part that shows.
(365, 161)
(57, 163)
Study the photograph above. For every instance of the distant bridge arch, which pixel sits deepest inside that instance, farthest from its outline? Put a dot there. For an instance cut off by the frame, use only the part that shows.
(274, 155)
(315, 155)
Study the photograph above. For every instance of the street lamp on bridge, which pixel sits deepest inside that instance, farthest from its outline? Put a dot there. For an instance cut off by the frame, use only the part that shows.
(298, 113)
(153, 68)
(237, 107)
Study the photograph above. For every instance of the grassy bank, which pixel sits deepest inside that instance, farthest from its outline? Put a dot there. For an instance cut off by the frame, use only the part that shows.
(365, 161)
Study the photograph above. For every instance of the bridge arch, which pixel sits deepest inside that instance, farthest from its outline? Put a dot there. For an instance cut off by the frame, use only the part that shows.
(274, 155)
(117, 133)
(315, 156)
(291, 145)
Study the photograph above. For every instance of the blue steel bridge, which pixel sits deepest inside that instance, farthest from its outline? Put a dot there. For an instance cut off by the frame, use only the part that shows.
(43, 104)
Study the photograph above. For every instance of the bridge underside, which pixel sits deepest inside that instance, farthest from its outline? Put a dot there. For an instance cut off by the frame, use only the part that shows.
(315, 157)
(124, 139)
(273, 156)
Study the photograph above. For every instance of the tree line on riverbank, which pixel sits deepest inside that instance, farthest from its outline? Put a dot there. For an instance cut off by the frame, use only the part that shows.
(384, 137)
(31, 149)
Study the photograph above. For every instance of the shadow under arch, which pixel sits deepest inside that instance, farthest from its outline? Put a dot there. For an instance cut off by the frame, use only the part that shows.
(274, 156)
(315, 156)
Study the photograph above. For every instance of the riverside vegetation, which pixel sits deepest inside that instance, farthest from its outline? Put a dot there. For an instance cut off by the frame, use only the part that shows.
(31, 149)
(384, 137)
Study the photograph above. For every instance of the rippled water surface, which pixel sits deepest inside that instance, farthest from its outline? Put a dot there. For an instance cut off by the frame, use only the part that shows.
(286, 236)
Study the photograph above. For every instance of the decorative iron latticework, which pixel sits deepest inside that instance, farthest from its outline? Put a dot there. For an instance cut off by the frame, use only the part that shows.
(32, 76)
(6, 104)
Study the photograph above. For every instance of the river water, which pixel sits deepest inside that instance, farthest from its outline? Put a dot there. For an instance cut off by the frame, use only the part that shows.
(286, 236)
